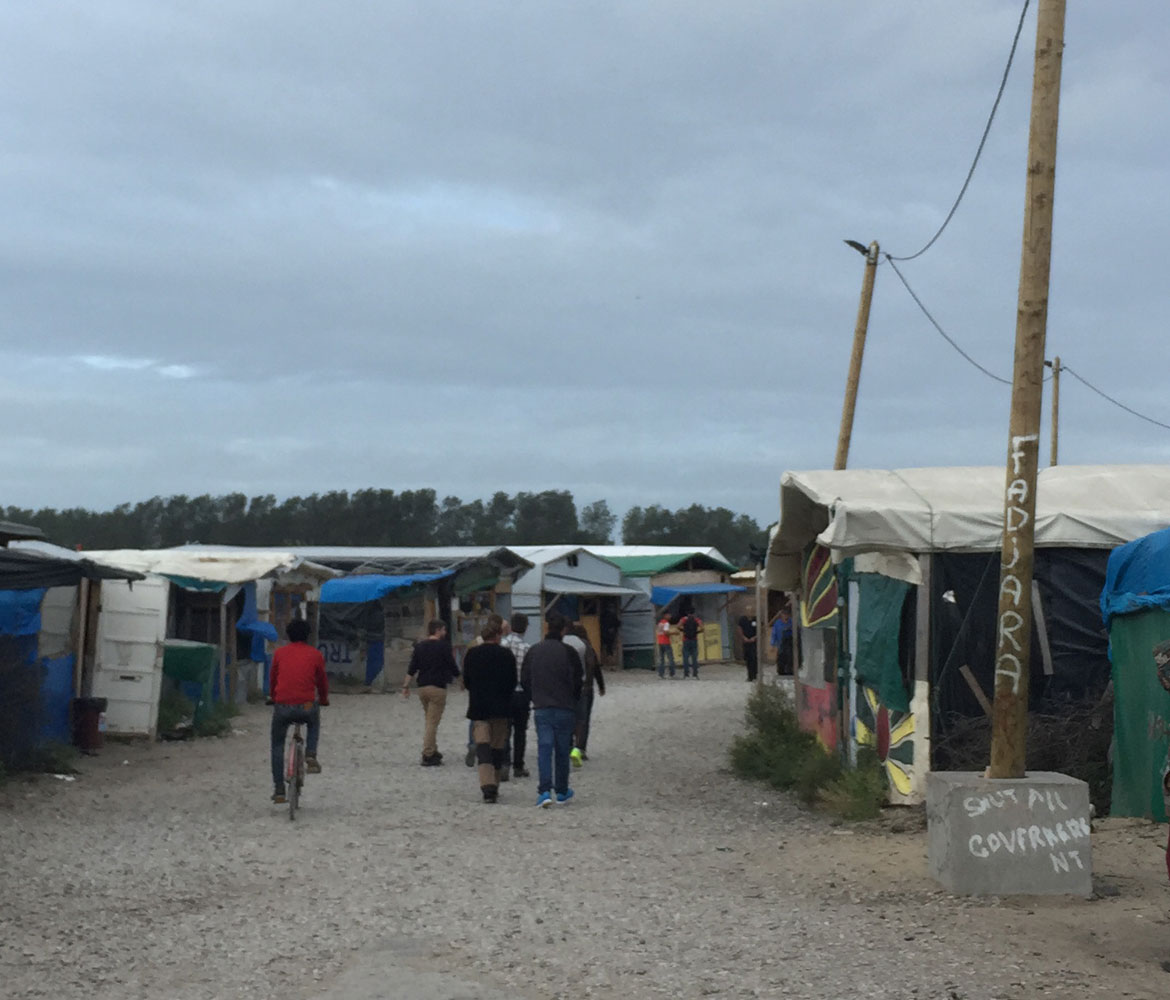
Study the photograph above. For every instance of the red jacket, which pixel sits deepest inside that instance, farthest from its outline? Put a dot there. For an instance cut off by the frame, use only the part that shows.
(298, 675)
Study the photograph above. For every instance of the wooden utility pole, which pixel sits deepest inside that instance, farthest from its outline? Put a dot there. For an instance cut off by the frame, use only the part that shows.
(1014, 621)
(1053, 451)
(761, 616)
(871, 261)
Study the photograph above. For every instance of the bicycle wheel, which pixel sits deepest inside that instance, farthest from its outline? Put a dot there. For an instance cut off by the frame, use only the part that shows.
(295, 778)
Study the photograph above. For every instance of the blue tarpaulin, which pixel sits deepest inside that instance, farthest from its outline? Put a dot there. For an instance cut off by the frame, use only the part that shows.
(664, 595)
(1137, 576)
(250, 622)
(372, 586)
(20, 611)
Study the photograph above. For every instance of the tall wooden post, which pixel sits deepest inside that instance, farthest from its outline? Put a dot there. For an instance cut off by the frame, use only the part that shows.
(859, 331)
(1054, 450)
(761, 618)
(1014, 631)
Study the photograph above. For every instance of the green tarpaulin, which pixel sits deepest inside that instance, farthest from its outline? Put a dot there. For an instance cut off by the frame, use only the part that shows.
(879, 623)
(1141, 714)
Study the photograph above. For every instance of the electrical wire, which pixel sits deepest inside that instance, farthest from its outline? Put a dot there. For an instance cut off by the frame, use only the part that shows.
(982, 141)
(942, 332)
(1117, 403)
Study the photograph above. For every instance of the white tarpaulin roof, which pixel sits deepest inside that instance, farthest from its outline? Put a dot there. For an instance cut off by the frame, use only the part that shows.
(961, 509)
(239, 566)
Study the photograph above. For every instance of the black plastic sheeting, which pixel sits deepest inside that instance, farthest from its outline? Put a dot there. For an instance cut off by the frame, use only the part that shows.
(25, 570)
(963, 629)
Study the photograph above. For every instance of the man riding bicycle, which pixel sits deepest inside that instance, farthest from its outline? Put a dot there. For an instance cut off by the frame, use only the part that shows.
(297, 687)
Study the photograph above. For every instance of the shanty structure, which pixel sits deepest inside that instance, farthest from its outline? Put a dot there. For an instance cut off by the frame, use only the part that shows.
(895, 575)
(670, 580)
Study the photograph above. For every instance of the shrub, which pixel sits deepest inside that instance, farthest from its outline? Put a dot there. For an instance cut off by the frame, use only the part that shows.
(174, 709)
(775, 750)
(217, 719)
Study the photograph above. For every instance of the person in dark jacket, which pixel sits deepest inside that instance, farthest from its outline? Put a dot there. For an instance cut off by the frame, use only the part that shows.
(578, 638)
(489, 674)
(690, 625)
(745, 628)
(553, 676)
(433, 662)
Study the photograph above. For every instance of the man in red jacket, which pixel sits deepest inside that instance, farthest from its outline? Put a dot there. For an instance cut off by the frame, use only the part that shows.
(297, 688)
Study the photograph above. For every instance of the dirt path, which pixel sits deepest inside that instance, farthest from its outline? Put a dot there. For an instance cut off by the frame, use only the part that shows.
(163, 871)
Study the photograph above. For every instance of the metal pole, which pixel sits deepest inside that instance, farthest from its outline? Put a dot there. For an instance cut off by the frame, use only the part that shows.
(1052, 459)
(859, 331)
(761, 603)
(1013, 638)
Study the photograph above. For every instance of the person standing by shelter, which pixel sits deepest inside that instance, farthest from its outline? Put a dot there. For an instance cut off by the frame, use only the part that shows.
(578, 638)
(781, 641)
(691, 626)
(746, 629)
(553, 675)
(298, 687)
(518, 723)
(489, 674)
(665, 649)
(434, 664)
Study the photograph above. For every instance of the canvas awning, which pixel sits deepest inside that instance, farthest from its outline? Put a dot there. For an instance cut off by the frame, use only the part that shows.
(586, 588)
(27, 569)
(961, 509)
(664, 595)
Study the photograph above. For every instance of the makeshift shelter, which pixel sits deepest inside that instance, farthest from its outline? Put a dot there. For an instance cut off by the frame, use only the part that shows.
(42, 629)
(896, 573)
(236, 600)
(370, 617)
(1135, 606)
(668, 579)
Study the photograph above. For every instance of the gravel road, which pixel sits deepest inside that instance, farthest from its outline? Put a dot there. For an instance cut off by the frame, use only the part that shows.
(163, 871)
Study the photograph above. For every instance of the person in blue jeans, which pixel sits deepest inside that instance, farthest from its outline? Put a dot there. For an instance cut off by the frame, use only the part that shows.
(552, 676)
(690, 625)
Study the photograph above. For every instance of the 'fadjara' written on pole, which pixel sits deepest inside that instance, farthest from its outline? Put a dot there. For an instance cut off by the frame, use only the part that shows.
(1014, 622)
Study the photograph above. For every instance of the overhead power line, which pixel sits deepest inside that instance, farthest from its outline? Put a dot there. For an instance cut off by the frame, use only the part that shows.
(942, 332)
(982, 141)
(1089, 385)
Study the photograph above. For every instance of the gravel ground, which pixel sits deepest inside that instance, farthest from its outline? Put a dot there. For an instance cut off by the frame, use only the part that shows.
(163, 871)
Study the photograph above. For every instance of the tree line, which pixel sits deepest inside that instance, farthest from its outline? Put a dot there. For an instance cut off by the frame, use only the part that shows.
(388, 518)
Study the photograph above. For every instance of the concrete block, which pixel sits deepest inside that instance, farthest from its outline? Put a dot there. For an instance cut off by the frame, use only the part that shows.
(1009, 836)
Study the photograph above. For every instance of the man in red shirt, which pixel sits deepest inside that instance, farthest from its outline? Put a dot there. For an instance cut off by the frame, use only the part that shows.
(297, 687)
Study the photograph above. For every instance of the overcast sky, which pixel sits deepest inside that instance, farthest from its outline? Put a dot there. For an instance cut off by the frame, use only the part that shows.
(288, 247)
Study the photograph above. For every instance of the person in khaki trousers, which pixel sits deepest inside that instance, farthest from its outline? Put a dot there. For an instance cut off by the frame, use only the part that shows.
(433, 663)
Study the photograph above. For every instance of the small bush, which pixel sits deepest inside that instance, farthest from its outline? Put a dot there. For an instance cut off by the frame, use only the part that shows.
(775, 750)
(217, 719)
(56, 758)
(174, 709)
(857, 793)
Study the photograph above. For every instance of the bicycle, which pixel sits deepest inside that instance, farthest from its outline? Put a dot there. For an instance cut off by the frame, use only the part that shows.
(294, 769)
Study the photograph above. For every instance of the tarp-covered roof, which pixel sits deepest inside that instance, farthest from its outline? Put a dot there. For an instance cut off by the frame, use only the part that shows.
(961, 509)
(27, 569)
(394, 560)
(372, 586)
(226, 567)
(1137, 576)
(664, 595)
(652, 565)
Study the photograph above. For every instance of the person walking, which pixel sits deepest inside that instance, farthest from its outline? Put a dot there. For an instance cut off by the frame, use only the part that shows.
(518, 721)
(498, 622)
(691, 625)
(781, 640)
(746, 629)
(297, 688)
(553, 675)
(433, 662)
(578, 638)
(665, 649)
(489, 674)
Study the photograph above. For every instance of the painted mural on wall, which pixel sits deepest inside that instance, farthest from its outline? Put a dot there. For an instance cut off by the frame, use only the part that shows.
(819, 607)
(890, 734)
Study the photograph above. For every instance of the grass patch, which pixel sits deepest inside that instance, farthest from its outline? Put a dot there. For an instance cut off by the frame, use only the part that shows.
(217, 719)
(776, 751)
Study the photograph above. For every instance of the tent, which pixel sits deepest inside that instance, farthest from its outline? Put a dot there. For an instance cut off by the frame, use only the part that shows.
(1135, 605)
(897, 572)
